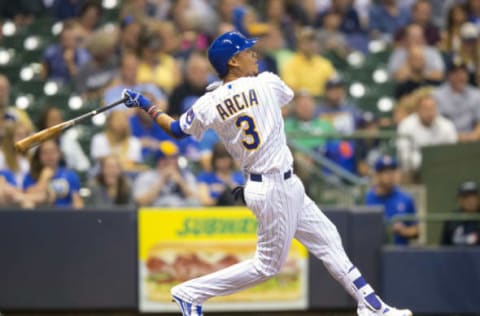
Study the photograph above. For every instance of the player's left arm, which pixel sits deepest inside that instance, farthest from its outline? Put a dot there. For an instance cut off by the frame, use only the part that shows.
(165, 121)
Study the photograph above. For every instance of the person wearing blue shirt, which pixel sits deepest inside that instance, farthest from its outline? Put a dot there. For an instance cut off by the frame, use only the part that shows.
(394, 200)
(387, 17)
(60, 185)
(127, 79)
(215, 186)
(8, 176)
(61, 60)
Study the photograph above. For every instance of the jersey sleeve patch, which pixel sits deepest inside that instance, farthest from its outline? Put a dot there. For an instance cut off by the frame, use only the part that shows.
(191, 124)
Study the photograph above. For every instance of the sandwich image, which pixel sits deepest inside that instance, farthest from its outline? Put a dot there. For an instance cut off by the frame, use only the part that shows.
(170, 263)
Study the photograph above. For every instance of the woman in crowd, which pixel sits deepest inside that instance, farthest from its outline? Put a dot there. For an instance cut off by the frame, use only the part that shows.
(72, 152)
(110, 187)
(117, 140)
(215, 186)
(59, 185)
(451, 39)
(10, 159)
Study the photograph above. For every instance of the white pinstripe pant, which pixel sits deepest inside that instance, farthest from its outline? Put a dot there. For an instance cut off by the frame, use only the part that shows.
(283, 212)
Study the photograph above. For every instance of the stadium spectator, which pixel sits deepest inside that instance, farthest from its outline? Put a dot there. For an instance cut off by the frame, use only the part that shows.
(424, 128)
(63, 10)
(451, 38)
(336, 109)
(192, 24)
(396, 202)
(93, 76)
(167, 185)
(127, 79)
(279, 17)
(386, 18)
(414, 73)
(10, 194)
(245, 21)
(196, 78)
(460, 102)
(368, 149)
(149, 134)
(129, 32)
(10, 159)
(473, 9)
(469, 51)
(297, 71)
(89, 16)
(111, 187)
(214, 187)
(349, 19)
(305, 119)
(59, 185)
(156, 66)
(464, 232)
(272, 48)
(21, 12)
(141, 9)
(11, 114)
(330, 37)
(117, 139)
(225, 9)
(73, 154)
(61, 61)
(399, 57)
(265, 59)
(422, 15)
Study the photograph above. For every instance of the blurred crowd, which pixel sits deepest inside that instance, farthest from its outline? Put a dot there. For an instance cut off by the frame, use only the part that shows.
(158, 47)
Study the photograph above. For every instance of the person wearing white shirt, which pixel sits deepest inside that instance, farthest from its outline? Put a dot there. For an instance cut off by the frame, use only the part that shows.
(425, 127)
(117, 140)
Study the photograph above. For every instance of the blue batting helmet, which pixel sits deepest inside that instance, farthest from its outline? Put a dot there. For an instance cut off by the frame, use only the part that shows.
(225, 47)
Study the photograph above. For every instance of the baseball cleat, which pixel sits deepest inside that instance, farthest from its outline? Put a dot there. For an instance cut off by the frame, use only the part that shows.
(188, 309)
(385, 311)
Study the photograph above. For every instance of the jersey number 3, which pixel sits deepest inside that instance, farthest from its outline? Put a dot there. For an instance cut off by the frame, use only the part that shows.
(250, 130)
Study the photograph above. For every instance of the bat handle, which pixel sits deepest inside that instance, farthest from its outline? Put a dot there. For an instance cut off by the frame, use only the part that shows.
(97, 111)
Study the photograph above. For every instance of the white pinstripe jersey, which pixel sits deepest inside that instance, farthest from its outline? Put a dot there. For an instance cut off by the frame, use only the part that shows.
(246, 115)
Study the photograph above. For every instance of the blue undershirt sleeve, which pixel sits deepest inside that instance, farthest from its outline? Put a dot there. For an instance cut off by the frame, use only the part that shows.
(177, 130)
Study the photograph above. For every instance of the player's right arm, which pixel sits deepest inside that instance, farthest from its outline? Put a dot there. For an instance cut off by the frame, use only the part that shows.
(186, 125)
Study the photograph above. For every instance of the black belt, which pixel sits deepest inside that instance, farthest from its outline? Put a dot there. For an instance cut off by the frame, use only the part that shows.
(258, 177)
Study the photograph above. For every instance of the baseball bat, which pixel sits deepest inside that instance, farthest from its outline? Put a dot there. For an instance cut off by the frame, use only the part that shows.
(51, 132)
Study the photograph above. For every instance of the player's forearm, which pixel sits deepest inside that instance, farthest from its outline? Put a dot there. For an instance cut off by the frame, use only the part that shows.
(165, 121)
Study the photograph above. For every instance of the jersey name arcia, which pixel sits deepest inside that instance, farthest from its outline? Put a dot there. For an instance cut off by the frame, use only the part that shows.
(236, 103)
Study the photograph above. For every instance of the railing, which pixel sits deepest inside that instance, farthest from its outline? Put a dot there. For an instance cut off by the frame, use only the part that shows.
(350, 187)
(423, 219)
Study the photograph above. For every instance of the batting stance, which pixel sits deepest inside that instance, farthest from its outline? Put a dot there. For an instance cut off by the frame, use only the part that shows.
(245, 111)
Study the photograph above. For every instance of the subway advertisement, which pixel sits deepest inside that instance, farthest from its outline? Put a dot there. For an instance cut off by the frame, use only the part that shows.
(181, 244)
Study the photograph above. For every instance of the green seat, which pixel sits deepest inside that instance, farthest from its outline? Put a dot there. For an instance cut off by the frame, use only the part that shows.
(34, 87)
(41, 26)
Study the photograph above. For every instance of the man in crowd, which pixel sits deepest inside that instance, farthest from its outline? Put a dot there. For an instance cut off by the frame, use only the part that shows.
(394, 200)
(464, 232)
(460, 102)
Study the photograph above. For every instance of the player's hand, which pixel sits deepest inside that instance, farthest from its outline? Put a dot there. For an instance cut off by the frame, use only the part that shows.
(239, 195)
(136, 100)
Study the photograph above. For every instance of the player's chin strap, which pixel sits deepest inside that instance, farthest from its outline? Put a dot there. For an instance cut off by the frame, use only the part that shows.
(214, 85)
(363, 290)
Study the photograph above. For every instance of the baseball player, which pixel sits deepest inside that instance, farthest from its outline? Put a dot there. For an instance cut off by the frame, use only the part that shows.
(245, 111)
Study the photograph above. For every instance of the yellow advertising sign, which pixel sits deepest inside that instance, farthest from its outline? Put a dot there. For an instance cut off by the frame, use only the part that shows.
(176, 245)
